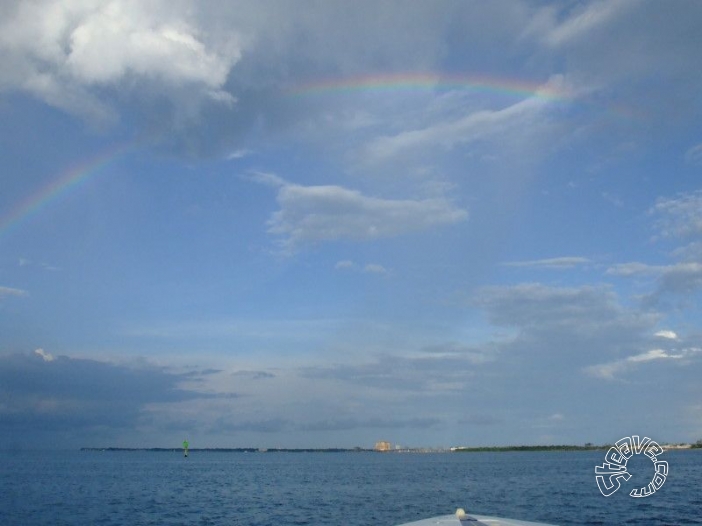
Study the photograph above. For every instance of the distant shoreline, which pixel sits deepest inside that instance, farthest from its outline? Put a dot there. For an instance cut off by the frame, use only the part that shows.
(588, 447)
(501, 449)
(486, 449)
(229, 449)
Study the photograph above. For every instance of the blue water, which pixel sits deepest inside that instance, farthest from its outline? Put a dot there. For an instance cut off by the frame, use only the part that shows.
(355, 489)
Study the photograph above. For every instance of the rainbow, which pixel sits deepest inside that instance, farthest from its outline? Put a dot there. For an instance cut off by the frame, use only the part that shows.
(552, 90)
(59, 186)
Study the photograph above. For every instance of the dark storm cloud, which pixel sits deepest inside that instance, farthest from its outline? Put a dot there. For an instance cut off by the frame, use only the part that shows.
(41, 394)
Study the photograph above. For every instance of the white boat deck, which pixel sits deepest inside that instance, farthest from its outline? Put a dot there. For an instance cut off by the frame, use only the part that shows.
(472, 520)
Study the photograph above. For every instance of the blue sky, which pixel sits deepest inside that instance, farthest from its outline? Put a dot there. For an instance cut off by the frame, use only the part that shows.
(316, 225)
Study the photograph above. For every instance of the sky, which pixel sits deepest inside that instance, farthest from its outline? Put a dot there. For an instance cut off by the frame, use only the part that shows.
(325, 224)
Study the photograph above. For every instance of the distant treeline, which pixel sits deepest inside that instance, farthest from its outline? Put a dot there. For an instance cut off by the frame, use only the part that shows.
(227, 449)
(588, 447)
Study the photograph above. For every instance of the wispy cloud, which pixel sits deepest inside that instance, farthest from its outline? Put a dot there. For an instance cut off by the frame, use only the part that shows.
(9, 291)
(694, 155)
(561, 263)
(369, 268)
(238, 154)
(679, 217)
(374, 268)
(635, 269)
(582, 23)
(611, 370)
(447, 134)
(23, 262)
(677, 220)
(346, 265)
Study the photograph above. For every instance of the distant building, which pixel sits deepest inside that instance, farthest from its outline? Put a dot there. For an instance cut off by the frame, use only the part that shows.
(383, 446)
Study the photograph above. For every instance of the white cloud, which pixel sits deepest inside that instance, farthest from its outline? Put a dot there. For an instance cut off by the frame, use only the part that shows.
(610, 370)
(44, 355)
(118, 40)
(653, 354)
(312, 214)
(65, 53)
(666, 334)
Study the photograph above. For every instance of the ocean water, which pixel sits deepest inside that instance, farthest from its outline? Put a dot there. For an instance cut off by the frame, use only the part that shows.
(354, 489)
